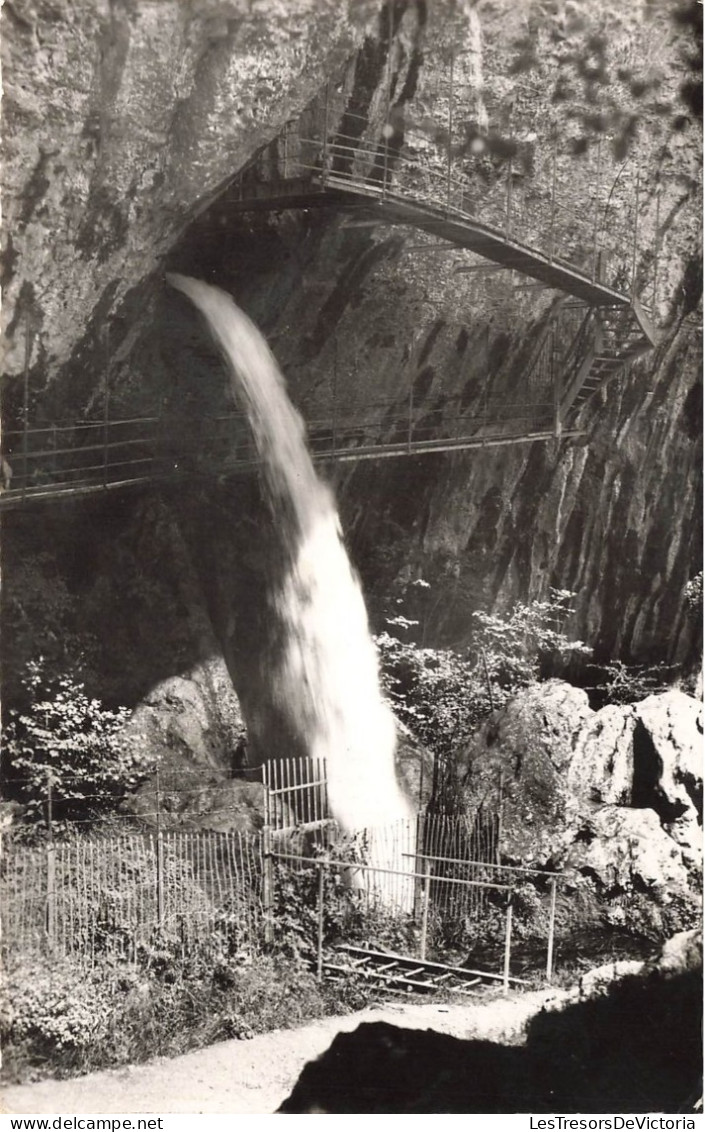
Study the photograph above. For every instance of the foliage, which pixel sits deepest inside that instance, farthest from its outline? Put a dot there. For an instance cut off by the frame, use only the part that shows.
(349, 913)
(627, 684)
(55, 1007)
(694, 593)
(59, 1019)
(72, 741)
(443, 695)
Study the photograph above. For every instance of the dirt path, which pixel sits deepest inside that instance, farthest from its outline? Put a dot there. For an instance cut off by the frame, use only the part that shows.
(255, 1076)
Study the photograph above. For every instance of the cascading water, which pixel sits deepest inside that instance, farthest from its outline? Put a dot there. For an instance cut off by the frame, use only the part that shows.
(326, 678)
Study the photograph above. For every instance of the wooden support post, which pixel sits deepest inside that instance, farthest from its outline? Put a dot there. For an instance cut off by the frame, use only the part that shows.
(335, 391)
(500, 816)
(106, 403)
(319, 942)
(635, 235)
(326, 159)
(507, 943)
(555, 384)
(267, 863)
(450, 134)
(410, 424)
(427, 866)
(595, 231)
(160, 858)
(656, 248)
(387, 123)
(51, 867)
(508, 217)
(551, 932)
(553, 197)
(25, 405)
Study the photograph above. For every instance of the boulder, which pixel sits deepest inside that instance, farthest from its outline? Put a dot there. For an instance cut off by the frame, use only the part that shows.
(524, 752)
(668, 777)
(601, 770)
(613, 798)
(626, 851)
(191, 721)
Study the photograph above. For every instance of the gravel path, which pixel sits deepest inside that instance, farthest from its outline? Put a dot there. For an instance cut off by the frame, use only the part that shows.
(251, 1076)
(255, 1076)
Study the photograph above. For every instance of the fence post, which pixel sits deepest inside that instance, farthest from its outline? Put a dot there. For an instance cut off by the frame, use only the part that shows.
(335, 391)
(387, 131)
(553, 197)
(106, 403)
(656, 246)
(427, 866)
(635, 236)
(51, 867)
(551, 932)
(450, 134)
(319, 943)
(326, 160)
(596, 222)
(25, 405)
(160, 858)
(410, 424)
(267, 886)
(267, 869)
(508, 942)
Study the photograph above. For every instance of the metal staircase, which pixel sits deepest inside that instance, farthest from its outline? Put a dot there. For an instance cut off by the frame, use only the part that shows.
(608, 339)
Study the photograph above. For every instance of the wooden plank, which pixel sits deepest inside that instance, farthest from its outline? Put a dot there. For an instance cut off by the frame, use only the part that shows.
(463, 971)
(398, 978)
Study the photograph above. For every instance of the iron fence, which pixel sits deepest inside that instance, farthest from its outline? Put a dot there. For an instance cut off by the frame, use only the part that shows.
(422, 886)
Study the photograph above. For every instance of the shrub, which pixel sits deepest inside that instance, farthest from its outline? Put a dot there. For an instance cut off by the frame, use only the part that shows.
(64, 737)
(443, 695)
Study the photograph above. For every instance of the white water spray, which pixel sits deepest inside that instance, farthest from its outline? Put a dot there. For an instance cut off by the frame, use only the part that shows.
(327, 678)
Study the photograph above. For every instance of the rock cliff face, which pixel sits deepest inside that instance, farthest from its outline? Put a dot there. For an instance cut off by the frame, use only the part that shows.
(124, 123)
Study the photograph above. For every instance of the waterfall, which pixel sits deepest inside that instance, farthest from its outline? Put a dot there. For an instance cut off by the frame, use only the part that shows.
(326, 677)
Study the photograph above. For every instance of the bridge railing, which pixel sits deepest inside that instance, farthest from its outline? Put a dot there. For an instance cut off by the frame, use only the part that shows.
(65, 457)
(529, 208)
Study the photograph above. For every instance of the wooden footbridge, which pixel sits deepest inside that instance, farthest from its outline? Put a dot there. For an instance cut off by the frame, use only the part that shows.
(381, 176)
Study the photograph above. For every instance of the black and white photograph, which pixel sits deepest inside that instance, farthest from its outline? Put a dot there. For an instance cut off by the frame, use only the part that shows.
(351, 534)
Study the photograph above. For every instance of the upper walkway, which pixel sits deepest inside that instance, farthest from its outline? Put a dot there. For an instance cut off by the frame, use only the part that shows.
(398, 175)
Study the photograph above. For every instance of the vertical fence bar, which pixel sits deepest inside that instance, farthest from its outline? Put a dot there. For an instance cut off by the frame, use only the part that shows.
(326, 159)
(551, 932)
(427, 865)
(508, 942)
(387, 123)
(595, 229)
(51, 868)
(450, 132)
(410, 423)
(551, 236)
(25, 405)
(508, 202)
(321, 903)
(656, 246)
(635, 235)
(160, 858)
(267, 873)
(106, 402)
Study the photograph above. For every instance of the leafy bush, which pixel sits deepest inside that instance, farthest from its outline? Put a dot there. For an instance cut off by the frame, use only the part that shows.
(53, 1007)
(58, 1019)
(627, 684)
(64, 737)
(443, 695)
